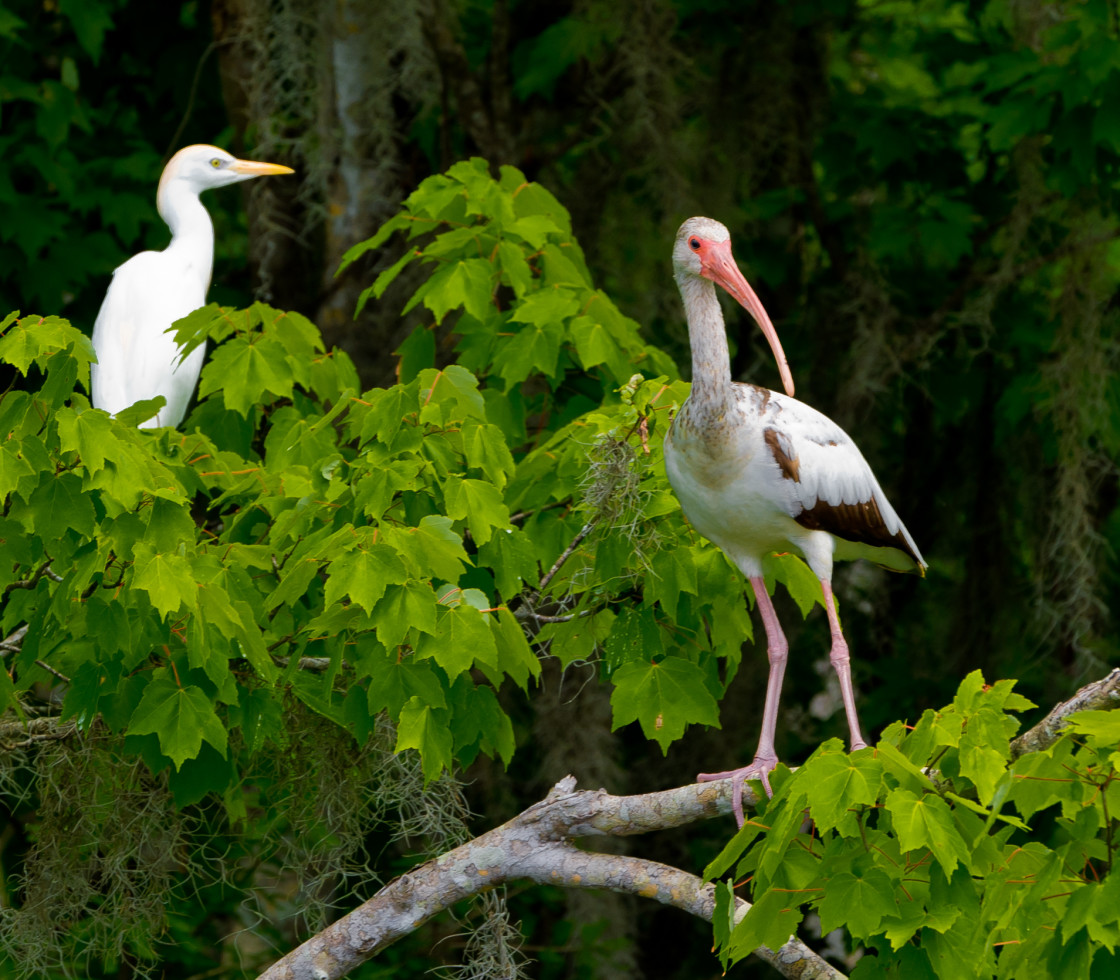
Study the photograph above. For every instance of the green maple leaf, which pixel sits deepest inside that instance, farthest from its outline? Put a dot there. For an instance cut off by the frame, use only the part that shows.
(547, 307)
(564, 265)
(140, 411)
(1041, 779)
(463, 637)
(926, 821)
(456, 387)
(14, 469)
(803, 586)
(674, 572)
(181, 717)
(233, 618)
(478, 722)
(374, 491)
(364, 575)
(901, 768)
(984, 750)
(485, 447)
(297, 576)
(244, 371)
(535, 229)
(575, 641)
(516, 268)
(59, 504)
(167, 578)
(425, 729)
(969, 693)
(401, 608)
(515, 656)
(434, 547)
(841, 781)
(389, 407)
(393, 681)
(594, 343)
(512, 558)
(1101, 727)
(35, 339)
(663, 697)
(536, 347)
(87, 432)
(465, 282)
(858, 901)
(723, 915)
(479, 502)
(634, 633)
(769, 922)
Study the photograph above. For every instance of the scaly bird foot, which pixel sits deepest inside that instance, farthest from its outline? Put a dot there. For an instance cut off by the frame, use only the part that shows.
(759, 769)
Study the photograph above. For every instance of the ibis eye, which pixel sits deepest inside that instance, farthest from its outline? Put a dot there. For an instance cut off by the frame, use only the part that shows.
(216, 163)
(694, 244)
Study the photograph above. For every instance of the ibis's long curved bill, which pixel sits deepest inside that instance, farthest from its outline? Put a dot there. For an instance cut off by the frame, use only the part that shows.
(720, 267)
(254, 168)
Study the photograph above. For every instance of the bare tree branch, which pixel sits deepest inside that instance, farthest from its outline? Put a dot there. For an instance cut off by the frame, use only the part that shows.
(537, 845)
(1104, 693)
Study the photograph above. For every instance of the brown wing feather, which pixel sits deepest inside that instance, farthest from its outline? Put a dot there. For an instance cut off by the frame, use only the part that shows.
(860, 522)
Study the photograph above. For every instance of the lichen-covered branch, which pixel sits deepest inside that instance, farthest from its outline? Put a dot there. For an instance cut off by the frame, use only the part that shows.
(1104, 693)
(537, 845)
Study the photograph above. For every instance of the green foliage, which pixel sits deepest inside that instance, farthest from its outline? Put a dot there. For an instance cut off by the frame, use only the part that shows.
(398, 557)
(504, 261)
(373, 535)
(938, 852)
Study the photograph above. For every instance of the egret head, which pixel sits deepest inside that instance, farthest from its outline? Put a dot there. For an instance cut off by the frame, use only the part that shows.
(198, 168)
(703, 250)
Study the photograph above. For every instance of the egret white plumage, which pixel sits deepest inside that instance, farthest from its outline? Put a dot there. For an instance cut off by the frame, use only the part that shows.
(136, 358)
(759, 472)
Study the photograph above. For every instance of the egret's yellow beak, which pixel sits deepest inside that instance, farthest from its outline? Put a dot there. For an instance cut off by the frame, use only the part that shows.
(254, 168)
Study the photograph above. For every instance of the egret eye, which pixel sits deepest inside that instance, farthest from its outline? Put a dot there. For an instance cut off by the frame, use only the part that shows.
(216, 162)
(694, 244)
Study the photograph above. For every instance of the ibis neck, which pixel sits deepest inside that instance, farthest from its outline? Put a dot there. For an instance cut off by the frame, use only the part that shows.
(711, 360)
(192, 231)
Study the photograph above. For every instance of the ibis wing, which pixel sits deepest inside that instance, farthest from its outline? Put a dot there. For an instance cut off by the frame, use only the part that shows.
(827, 482)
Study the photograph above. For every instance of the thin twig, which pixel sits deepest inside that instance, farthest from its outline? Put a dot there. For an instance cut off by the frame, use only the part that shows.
(50, 670)
(13, 642)
(542, 618)
(576, 542)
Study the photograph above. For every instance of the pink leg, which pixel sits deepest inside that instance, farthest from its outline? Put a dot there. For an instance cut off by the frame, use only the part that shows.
(765, 758)
(841, 664)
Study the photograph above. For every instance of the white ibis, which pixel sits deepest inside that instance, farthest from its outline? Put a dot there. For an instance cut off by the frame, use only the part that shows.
(759, 472)
(136, 357)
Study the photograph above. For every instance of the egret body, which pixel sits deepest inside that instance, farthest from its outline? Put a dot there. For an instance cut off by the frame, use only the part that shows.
(136, 357)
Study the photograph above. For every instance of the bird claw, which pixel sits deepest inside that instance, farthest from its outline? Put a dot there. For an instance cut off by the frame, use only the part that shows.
(759, 769)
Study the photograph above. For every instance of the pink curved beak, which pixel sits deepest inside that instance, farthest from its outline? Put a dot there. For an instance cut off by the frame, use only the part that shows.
(720, 267)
